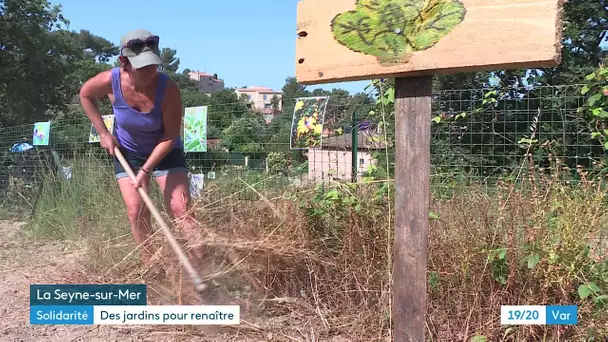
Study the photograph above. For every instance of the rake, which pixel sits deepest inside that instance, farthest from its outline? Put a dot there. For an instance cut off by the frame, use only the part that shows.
(199, 286)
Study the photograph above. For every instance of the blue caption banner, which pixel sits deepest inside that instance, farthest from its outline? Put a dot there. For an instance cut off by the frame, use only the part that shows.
(61, 314)
(88, 294)
(562, 315)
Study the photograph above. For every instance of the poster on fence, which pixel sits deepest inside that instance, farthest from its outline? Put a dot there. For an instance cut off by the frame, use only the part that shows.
(307, 122)
(42, 131)
(195, 129)
(108, 120)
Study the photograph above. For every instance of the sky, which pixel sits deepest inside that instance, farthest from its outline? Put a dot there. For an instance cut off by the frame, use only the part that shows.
(246, 43)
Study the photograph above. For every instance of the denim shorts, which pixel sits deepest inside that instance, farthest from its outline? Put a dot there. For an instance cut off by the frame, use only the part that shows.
(174, 162)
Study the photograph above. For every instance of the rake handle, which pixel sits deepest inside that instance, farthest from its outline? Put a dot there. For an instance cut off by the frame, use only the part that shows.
(198, 283)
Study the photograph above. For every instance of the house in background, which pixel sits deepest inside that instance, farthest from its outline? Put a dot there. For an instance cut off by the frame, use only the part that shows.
(334, 160)
(207, 83)
(261, 100)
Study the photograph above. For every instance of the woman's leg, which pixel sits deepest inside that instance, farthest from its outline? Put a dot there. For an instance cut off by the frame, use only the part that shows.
(137, 212)
(176, 191)
(172, 177)
(139, 216)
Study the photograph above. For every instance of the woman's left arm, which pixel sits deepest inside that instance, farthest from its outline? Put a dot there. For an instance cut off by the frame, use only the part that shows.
(172, 119)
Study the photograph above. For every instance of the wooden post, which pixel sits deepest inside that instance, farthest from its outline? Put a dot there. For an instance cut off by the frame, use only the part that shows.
(354, 147)
(412, 200)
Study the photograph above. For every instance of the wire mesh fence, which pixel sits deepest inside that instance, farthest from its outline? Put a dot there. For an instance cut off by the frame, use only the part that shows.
(489, 132)
(477, 136)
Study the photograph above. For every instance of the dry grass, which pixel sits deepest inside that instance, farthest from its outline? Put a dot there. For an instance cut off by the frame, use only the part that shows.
(314, 263)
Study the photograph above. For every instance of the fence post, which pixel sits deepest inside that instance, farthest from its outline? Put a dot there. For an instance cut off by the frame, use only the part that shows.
(354, 147)
(412, 200)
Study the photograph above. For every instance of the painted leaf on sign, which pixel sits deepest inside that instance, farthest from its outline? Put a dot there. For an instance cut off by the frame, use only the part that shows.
(392, 29)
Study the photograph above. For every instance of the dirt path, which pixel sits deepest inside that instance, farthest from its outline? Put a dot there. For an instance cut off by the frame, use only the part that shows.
(23, 262)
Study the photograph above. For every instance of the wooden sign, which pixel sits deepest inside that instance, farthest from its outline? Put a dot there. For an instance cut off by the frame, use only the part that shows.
(348, 40)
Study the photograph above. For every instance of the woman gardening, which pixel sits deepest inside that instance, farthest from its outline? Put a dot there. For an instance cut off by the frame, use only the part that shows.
(148, 114)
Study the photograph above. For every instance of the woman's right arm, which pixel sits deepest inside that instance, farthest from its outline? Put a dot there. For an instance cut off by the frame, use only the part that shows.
(92, 90)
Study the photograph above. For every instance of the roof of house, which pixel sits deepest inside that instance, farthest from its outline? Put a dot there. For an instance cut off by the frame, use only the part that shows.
(199, 73)
(367, 140)
(258, 90)
(195, 75)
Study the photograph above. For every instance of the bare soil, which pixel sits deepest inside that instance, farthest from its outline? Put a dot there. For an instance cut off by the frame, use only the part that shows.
(23, 261)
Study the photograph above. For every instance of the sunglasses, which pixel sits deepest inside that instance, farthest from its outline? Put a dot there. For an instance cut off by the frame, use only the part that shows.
(138, 45)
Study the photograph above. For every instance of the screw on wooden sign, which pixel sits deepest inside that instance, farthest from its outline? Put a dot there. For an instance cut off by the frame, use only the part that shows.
(412, 40)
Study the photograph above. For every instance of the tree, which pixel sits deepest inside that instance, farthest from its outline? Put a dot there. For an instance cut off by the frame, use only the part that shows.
(44, 65)
(227, 103)
(169, 63)
(34, 61)
(473, 80)
(278, 133)
(292, 90)
(585, 29)
(275, 102)
(183, 81)
(100, 49)
(244, 135)
(92, 55)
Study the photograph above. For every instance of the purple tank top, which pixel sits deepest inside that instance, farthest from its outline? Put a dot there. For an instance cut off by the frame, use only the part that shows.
(134, 130)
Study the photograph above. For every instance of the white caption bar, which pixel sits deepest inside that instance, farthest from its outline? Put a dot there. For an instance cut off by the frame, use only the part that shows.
(523, 315)
(167, 314)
